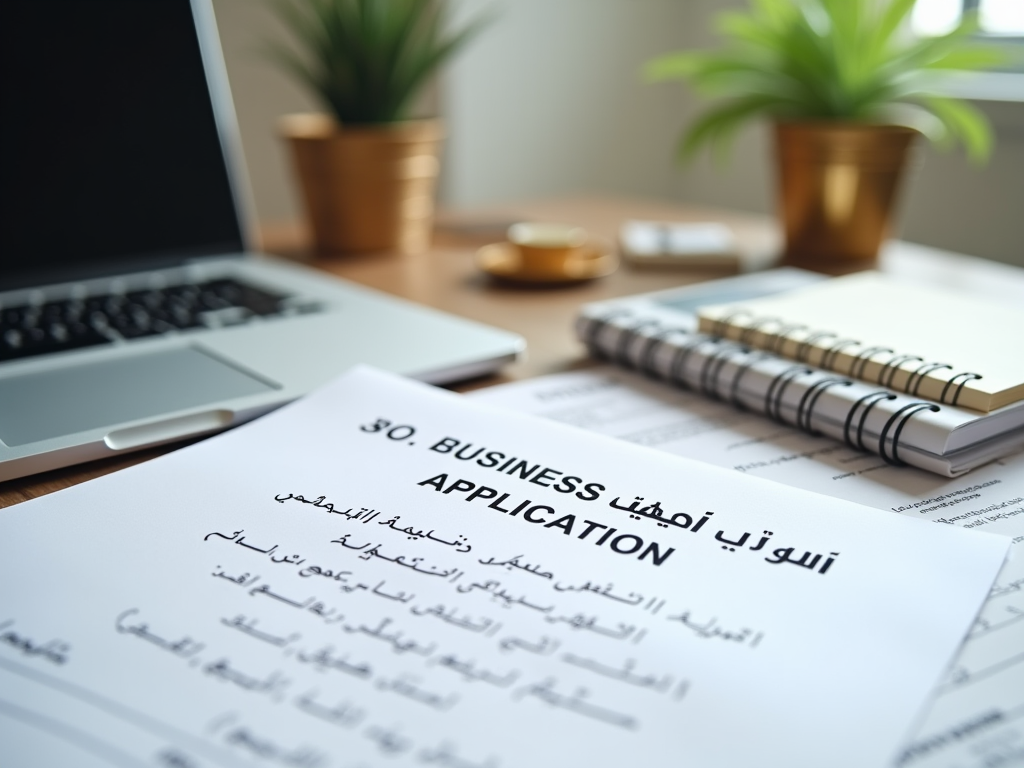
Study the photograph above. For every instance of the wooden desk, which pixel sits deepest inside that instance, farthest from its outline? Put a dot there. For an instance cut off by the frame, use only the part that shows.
(446, 278)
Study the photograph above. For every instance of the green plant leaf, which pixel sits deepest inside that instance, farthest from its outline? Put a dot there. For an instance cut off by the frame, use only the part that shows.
(969, 59)
(963, 122)
(893, 16)
(717, 127)
(366, 59)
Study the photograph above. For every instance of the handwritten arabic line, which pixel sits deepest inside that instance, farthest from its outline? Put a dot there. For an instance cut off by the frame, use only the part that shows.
(414, 563)
(590, 623)
(446, 755)
(366, 515)
(342, 714)
(448, 615)
(459, 542)
(513, 562)
(394, 639)
(471, 673)
(543, 647)
(248, 627)
(711, 629)
(660, 684)
(324, 659)
(576, 703)
(222, 670)
(55, 650)
(408, 686)
(632, 598)
(388, 740)
(185, 648)
(266, 749)
(501, 595)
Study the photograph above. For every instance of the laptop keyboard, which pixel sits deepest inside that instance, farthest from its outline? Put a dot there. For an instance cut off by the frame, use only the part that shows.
(35, 329)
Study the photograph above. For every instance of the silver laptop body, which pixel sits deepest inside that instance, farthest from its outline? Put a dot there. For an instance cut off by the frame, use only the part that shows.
(101, 361)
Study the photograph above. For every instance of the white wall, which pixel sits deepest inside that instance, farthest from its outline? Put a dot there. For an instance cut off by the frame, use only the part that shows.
(549, 101)
(261, 94)
(951, 203)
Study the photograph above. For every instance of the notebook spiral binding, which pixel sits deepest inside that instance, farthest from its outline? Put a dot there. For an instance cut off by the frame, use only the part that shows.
(715, 353)
(886, 376)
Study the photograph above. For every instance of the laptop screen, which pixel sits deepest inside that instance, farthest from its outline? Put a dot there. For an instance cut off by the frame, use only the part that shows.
(110, 158)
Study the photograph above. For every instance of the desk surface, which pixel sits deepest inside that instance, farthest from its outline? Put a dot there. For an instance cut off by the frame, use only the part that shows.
(446, 278)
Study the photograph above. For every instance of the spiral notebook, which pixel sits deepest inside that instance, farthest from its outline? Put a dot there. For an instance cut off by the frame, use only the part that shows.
(920, 340)
(657, 334)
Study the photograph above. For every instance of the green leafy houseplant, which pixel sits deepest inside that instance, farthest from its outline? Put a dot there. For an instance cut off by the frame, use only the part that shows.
(366, 60)
(367, 173)
(833, 60)
(848, 90)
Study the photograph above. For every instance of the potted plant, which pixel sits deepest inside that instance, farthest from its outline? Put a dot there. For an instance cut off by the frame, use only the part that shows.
(367, 173)
(848, 89)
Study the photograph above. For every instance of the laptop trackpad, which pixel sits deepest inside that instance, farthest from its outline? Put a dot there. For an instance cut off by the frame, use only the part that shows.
(37, 406)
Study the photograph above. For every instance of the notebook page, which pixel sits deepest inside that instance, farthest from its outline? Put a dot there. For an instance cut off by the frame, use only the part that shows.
(913, 328)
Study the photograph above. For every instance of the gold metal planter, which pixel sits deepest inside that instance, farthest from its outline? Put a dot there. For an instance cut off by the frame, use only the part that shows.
(367, 188)
(837, 185)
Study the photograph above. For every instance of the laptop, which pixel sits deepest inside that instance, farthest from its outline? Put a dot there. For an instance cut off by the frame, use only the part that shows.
(132, 310)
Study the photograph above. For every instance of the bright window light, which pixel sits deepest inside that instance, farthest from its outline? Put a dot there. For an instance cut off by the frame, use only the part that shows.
(1001, 17)
(937, 17)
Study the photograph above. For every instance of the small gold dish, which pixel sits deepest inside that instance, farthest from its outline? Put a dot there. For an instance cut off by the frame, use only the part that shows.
(588, 262)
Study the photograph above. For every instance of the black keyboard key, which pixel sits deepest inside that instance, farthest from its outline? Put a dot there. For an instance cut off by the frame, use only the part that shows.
(53, 312)
(181, 317)
(29, 318)
(151, 300)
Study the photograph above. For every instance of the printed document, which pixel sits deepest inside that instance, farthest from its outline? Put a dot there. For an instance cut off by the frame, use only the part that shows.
(388, 574)
(976, 716)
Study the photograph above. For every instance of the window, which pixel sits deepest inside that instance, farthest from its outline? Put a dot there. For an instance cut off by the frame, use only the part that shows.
(998, 19)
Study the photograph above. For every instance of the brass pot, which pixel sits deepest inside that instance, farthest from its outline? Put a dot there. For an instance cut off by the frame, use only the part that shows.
(837, 185)
(367, 188)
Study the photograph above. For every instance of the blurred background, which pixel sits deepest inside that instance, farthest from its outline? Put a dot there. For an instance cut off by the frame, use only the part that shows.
(549, 102)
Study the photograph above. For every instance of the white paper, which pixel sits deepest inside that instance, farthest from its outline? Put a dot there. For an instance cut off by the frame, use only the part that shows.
(977, 714)
(320, 589)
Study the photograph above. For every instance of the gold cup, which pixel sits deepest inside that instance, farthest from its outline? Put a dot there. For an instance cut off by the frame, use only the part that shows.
(546, 249)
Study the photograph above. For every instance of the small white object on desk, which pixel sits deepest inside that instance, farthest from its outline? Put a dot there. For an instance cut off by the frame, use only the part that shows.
(695, 245)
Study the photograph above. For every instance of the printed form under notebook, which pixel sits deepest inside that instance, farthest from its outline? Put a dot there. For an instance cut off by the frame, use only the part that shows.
(976, 716)
(940, 345)
(386, 573)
